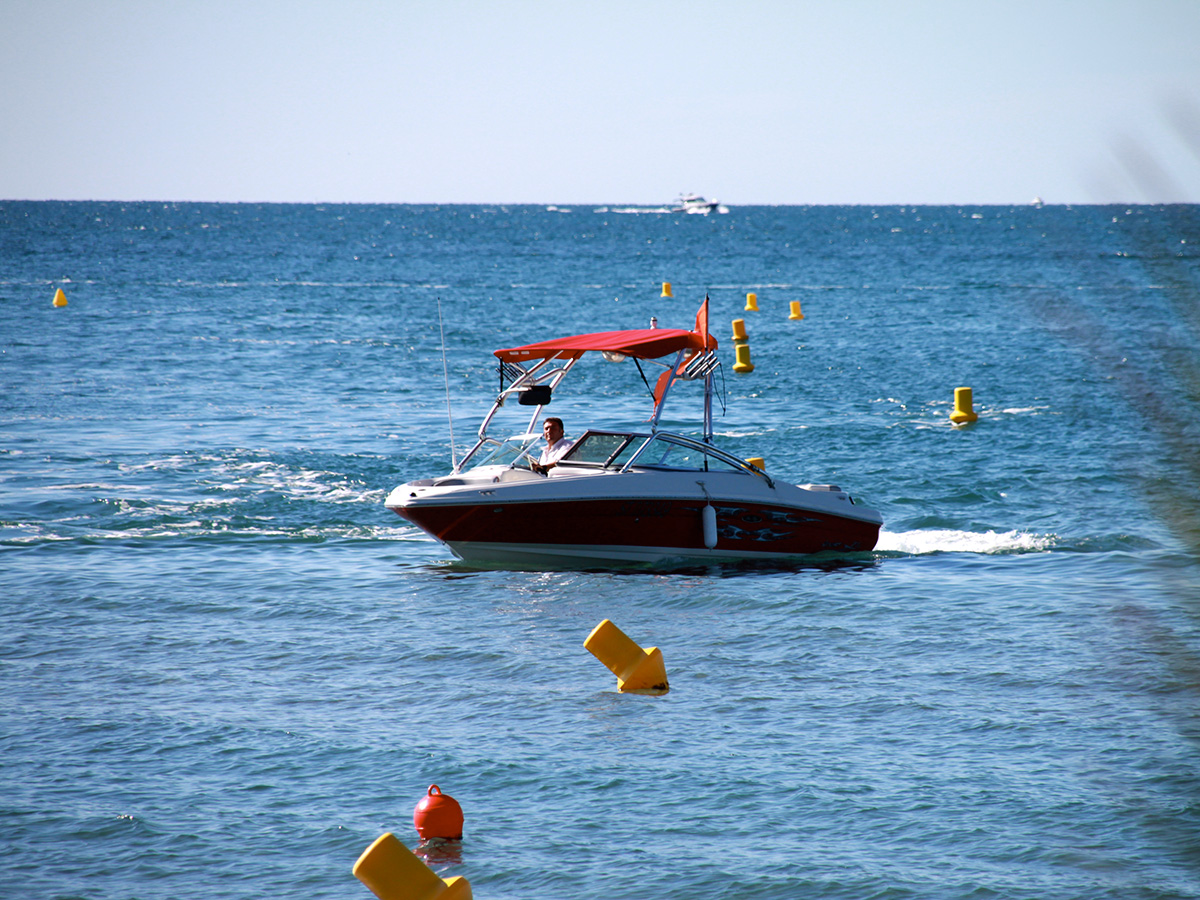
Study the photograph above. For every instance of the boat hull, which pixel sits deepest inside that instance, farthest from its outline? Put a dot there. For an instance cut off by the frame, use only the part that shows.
(517, 527)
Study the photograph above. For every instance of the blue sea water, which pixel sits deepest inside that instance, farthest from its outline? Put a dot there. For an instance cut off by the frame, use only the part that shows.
(226, 668)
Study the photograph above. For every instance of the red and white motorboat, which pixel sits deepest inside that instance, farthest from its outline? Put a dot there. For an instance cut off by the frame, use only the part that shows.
(622, 497)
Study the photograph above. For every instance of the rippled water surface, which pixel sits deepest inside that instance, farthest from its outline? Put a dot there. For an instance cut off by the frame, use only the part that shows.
(226, 668)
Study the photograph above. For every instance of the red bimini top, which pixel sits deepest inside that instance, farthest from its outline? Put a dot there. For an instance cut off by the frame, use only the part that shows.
(644, 343)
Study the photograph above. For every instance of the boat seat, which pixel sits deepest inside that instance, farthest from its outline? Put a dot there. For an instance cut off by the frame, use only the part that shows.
(509, 475)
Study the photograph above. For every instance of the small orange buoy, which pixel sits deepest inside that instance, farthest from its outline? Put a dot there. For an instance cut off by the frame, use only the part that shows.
(438, 815)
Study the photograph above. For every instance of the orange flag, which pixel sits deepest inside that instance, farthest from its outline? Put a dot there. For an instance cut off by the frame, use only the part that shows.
(702, 321)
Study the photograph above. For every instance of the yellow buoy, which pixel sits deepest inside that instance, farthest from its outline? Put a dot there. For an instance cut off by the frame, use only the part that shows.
(741, 359)
(964, 407)
(636, 669)
(60, 299)
(758, 462)
(741, 348)
(667, 289)
(751, 302)
(393, 872)
(796, 314)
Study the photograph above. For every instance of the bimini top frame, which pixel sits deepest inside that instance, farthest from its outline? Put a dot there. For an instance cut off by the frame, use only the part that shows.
(535, 370)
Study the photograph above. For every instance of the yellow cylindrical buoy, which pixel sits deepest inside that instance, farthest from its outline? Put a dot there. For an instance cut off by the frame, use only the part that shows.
(752, 302)
(795, 313)
(393, 872)
(667, 289)
(741, 348)
(60, 299)
(964, 407)
(741, 359)
(638, 670)
(758, 462)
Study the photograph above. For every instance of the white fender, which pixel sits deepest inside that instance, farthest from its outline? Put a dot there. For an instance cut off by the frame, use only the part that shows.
(708, 516)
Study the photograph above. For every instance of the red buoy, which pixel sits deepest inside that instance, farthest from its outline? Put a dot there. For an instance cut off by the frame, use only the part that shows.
(438, 815)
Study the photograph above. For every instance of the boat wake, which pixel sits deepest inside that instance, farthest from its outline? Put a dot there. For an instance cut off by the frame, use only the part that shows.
(948, 540)
(634, 210)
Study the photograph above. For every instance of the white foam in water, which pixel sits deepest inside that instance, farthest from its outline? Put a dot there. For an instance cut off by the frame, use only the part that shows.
(300, 483)
(1023, 410)
(947, 540)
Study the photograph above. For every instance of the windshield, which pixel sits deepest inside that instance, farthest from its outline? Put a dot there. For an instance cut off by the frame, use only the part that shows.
(508, 452)
(617, 449)
(673, 453)
(597, 448)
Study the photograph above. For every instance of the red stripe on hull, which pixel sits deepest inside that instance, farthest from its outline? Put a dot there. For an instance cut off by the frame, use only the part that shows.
(747, 527)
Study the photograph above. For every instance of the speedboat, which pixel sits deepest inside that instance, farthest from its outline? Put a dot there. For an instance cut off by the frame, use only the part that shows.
(622, 497)
(694, 203)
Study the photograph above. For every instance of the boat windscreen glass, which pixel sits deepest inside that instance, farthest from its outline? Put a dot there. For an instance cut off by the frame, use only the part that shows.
(669, 454)
(626, 453)
(595, 448)
(510, 451)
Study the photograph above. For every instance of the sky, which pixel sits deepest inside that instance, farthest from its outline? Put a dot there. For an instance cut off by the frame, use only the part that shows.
(610, 102)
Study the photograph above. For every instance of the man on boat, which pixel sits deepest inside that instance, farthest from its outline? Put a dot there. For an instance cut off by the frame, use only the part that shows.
(556, 445)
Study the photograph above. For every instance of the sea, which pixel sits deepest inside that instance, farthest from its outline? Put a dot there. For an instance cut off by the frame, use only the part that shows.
(226, 668)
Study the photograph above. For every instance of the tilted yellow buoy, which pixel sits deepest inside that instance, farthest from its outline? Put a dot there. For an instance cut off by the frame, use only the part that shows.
(741, 348)
(393, 872)
(758, 462)
(60, 299)
(964, 407)
(667, 289)
(796, 314)
(751, 302)
(636, 669)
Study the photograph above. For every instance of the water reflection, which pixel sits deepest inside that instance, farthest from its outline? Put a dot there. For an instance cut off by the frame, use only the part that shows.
(439, 852)
(824, 563)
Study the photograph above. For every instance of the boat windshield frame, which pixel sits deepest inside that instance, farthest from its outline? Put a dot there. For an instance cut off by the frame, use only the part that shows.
(624, 451)
(512, 451)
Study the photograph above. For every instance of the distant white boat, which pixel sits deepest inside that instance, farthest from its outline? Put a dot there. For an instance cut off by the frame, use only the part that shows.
(695, 204)
(1036, 203)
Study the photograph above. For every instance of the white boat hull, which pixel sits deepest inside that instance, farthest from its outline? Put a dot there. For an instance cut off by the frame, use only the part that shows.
(510, 517)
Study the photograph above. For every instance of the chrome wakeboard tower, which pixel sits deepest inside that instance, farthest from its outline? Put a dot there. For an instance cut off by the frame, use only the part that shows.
(534, 371)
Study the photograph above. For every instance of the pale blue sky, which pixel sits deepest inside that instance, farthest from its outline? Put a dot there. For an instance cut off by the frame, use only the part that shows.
(837, 101)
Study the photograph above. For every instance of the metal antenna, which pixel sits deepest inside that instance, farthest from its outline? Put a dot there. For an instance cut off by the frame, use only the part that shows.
(446, 376)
